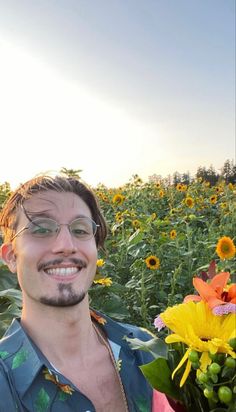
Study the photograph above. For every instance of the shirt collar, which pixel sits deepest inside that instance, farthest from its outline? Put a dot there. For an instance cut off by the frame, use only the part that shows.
(25, 360)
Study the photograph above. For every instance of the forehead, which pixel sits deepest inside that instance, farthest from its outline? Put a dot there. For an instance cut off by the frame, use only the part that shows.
(53, 203)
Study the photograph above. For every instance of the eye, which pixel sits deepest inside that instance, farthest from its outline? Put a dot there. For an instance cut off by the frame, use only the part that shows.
(80, 231)
(80, 228)
(41, 228)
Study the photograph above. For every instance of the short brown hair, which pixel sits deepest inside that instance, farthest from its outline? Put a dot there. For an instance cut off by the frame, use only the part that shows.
(8, 216)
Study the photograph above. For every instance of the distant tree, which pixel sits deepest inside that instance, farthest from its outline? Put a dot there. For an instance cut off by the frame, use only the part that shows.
(185, 178)
(208, 175)
(212, 176)
(176, 178)
(201, 173)
(71, 172)
(228, 171)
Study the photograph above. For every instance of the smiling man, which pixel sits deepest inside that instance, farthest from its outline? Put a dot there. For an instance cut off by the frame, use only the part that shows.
(61, 355)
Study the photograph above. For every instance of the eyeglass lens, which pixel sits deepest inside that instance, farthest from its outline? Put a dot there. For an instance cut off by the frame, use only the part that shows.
(83, 228)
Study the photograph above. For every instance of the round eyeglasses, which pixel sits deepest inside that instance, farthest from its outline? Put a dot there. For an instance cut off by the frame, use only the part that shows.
(82, 228)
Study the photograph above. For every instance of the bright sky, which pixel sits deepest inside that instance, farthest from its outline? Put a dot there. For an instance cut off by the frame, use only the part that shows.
(116, 87)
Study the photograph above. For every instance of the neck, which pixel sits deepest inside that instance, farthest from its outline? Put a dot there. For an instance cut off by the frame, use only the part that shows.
(60, 333)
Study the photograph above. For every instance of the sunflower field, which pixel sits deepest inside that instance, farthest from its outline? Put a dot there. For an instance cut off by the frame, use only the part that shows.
(160, 236)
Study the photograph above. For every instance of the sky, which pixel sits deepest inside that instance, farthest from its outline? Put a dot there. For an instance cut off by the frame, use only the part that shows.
(116, 87)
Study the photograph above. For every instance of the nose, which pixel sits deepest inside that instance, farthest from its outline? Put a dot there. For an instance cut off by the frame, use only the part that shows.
(63, 242)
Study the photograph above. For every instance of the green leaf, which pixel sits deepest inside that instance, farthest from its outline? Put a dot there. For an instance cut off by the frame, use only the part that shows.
(13, 295)
(158, 375)
(135, 238)
(42, 401)
(20, 358)
(155, 346)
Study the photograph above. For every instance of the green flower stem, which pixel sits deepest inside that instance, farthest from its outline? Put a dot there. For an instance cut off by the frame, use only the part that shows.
(144, 310)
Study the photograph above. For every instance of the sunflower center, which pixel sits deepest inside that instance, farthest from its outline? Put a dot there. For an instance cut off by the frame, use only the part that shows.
(225, 247)
(152, 262)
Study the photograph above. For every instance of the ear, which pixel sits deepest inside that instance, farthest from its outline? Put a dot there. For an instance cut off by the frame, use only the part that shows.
(8, 256)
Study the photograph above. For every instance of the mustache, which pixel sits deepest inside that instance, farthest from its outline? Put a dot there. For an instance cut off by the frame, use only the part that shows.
(59, 261)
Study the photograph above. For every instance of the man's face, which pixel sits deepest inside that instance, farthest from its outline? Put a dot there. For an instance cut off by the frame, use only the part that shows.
(56, 270)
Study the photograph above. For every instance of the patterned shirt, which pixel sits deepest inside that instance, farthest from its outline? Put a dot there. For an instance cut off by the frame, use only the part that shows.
(28, 382)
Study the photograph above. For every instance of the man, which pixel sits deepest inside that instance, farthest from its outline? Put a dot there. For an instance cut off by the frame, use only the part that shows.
(62, 356)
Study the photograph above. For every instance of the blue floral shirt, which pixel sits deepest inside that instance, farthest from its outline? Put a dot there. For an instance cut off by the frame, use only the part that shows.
(28, 382)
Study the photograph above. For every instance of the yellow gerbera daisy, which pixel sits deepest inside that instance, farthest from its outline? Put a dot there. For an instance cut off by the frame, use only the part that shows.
(225, 248)
(188, 322)
(152, 262)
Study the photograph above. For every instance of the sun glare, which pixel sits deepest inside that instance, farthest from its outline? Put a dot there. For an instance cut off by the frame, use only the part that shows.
(49, 122)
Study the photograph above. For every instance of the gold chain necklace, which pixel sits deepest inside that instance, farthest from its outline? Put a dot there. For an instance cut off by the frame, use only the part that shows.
(106, 343)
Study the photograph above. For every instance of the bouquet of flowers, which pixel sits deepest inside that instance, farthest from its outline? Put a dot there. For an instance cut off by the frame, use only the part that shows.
(195, 366)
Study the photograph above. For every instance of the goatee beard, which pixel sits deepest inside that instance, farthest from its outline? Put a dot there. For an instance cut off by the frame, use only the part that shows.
(67, 297)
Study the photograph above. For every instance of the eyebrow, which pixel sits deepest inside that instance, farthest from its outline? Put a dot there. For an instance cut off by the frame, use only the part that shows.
(50, 215)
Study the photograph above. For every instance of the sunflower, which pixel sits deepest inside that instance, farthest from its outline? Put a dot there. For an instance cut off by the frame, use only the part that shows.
(161, 193)
(184, 188)
(118, 199)
(136, 223)
(103, 281)
(188, 322)
(225, 248)
(189, 201)
(119, 217)
(152, 262)
(173, 234)
(100, 263)
(213, 199)
(179, 187)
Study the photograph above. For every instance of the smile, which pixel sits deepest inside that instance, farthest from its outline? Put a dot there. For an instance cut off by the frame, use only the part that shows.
(63, 271)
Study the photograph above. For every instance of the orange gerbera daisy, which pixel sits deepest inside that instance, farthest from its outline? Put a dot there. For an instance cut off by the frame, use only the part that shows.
(216, 293)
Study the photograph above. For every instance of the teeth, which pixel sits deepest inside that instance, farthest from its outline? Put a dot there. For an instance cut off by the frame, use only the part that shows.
(62, 271)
